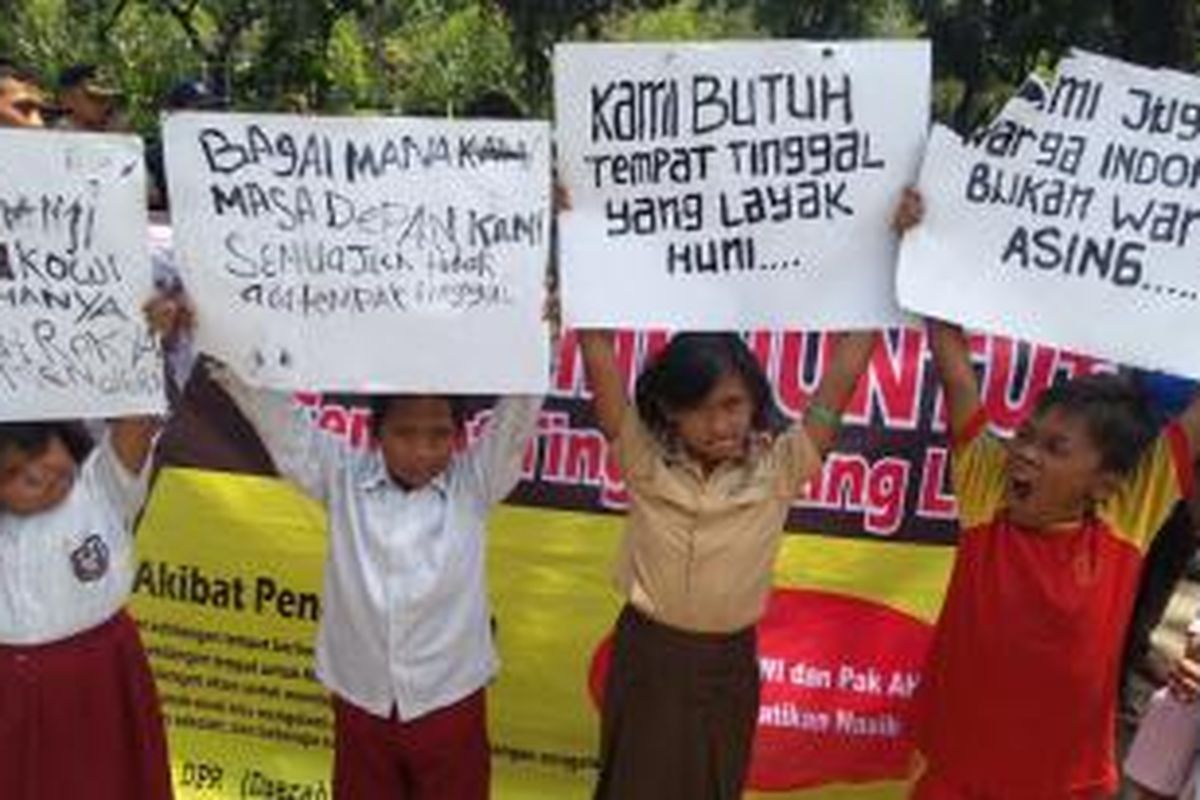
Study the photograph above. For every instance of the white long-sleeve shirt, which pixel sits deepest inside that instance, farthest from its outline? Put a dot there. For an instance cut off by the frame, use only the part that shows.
(405, 618)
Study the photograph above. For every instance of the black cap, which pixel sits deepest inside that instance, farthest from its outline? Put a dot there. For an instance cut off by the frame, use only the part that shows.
(193, 94)
(11, 69)
(89, 76)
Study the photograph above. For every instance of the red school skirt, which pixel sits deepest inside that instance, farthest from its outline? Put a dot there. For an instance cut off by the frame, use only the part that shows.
(80, 718)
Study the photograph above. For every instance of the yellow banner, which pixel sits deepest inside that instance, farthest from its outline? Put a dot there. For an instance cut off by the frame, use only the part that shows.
(227, 594)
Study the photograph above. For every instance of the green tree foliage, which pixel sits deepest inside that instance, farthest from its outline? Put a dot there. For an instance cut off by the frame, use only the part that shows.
(141, 46)
(443, 61)
(680, 21)
(432, 56)
(827, 19)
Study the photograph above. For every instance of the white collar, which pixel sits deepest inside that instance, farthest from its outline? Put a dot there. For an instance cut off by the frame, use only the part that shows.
(377, 477)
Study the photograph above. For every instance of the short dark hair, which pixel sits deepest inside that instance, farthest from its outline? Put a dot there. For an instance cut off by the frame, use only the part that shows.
(11, 70)
(32, 438)
(380, 403)
(77, 75)
(687, 369)
(1115, 411)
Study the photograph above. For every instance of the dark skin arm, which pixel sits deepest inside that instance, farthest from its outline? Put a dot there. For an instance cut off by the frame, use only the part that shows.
(853, 350)
(948, 343)
(850, 357)
(133, 437)
(952, 358)
(609, 401)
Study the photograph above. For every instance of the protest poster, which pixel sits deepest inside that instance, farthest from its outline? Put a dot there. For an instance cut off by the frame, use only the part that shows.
(365, 254)
(74, 273)
(1071, 218)
(736, 185)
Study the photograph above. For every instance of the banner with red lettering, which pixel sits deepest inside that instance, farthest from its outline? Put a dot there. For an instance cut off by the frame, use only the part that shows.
(859, 581)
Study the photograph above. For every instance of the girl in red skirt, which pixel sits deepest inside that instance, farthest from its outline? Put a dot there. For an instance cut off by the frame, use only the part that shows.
(79, 716)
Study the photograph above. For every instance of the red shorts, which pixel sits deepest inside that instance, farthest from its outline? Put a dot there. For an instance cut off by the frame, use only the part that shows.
(80, 718)
(443, 755)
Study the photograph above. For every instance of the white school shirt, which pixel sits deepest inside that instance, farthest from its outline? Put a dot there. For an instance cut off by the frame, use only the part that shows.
(70, 568)
(405, 621)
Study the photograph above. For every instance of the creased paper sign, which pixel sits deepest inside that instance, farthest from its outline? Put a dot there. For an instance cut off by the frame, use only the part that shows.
(741, 185)
(362, 254)
(1073, 219)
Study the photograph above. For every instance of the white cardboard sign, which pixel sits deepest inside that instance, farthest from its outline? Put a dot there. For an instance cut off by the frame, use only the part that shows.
(736, 185)
(74, 273)
(1073, 219)
(365, 254)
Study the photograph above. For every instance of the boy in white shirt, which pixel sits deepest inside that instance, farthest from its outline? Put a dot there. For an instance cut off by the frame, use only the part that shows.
(405, 641)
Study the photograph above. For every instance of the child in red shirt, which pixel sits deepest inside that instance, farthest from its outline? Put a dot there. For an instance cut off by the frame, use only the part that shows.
(1019, 694)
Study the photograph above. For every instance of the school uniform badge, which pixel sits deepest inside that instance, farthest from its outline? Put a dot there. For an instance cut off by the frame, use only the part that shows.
(90, 559)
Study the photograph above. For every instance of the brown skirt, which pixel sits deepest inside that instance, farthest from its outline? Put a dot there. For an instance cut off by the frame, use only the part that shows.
(679, 713)
(80, 718)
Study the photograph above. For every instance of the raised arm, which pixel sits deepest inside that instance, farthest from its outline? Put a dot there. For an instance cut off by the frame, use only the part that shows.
(168, 316)
(132, 440)
(609, 401)
(952, 358)
(493, 464)
(307, 457)
(823, 415)
(951, 353)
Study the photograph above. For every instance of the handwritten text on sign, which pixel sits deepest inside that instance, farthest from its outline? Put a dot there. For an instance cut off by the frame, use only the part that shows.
(737, 185)
(1080, 203)
(361, 254)
(74, 272)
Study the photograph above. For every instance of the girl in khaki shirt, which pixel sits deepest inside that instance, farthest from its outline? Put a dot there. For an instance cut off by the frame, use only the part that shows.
(710, 484)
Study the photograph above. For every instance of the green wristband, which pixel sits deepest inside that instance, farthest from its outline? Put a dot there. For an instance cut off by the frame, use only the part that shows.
(822, 414)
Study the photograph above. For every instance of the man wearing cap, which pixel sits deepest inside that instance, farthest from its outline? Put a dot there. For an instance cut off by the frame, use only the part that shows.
(186, 95)
(90, 99)
(21, 98)
(193, 95)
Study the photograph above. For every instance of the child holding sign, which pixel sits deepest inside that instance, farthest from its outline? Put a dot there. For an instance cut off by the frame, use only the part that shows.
(710, 485)
(79, 716)
(1019, 696)
(405, 642)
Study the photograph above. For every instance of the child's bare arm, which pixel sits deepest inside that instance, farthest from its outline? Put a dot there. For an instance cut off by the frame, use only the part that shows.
(167, 315)
(132, 439)
(951, 353)
(825, 407)
(909, 212)
(608, 390)
(952, 358)
(851, 353)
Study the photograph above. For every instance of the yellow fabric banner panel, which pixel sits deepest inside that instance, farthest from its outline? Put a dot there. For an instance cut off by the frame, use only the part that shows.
(227, 594)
